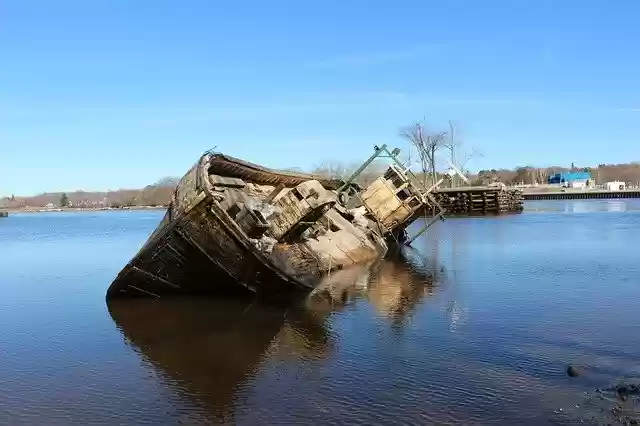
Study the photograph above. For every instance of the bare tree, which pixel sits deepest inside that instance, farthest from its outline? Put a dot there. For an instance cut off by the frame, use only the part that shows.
(466, 157)
(332, 170)
(457, 155)
(427, 143)
(337, 170)
(453, 144)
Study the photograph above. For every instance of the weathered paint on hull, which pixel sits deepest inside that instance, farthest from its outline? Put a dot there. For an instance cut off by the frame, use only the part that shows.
(198, 248)
(200, 253)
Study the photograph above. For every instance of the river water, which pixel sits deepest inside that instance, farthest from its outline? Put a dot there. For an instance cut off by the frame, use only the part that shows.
(476, 324)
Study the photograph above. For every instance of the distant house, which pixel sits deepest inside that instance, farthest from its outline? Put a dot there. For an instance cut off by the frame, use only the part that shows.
(571, 179)
(49, 205)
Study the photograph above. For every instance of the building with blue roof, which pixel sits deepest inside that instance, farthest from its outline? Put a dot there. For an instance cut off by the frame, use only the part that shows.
(581, 178)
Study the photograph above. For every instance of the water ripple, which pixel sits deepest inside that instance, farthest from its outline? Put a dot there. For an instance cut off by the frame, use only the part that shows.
(475, 325)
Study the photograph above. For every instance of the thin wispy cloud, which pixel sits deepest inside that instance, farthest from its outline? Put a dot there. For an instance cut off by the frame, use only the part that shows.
(455, 101)
(368, 59)
(345, 103)
(342, 103)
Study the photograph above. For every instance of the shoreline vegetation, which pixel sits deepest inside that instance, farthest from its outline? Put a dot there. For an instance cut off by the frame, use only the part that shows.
(158, 196)
(153, 196)
(429, 150)
(77, 209)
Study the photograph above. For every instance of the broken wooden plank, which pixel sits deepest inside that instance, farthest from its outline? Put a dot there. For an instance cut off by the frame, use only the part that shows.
(230, 182)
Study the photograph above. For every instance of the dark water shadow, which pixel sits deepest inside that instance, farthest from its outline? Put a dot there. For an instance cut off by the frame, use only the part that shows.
(209, 349)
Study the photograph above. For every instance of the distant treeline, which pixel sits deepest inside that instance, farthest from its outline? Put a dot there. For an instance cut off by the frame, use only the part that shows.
(158, 194)
(629, 173)
(527, 175)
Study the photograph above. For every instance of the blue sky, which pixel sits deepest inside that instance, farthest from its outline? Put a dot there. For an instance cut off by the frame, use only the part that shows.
(116, 94)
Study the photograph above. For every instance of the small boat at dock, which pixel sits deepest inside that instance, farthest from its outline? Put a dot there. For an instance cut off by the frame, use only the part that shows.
(235, 224)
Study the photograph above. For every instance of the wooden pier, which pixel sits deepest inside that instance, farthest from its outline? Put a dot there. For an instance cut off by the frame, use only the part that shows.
(4, 214)
(581, 195)
(480, 200)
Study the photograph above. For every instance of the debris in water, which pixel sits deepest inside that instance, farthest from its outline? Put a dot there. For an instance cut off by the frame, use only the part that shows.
(574, 371)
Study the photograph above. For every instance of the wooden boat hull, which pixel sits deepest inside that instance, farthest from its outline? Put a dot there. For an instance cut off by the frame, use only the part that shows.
(199, 249)
(196, 254)
(233, 224)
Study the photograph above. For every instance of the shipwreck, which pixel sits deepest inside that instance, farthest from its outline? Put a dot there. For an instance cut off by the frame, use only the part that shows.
(232, 223)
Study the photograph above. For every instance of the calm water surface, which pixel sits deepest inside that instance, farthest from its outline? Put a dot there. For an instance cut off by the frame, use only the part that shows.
(474, 325)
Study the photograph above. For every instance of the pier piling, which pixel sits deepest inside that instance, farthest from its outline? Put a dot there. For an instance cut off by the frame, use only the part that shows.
(480, 200)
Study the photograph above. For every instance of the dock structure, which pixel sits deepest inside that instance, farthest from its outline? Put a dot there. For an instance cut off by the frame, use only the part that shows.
(480, 200)
(4, 214)
(581, 195)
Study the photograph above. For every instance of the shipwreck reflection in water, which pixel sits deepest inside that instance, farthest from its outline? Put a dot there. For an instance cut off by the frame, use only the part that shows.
(209, 350)
(393, 286)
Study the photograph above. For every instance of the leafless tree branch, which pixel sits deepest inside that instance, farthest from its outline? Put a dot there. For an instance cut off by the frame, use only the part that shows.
(427, 144)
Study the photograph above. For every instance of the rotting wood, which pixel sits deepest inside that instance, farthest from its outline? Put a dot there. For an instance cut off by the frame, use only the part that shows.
(226, 181)
(233, 223)
(144, 291)
(155, 277)
(480, 199)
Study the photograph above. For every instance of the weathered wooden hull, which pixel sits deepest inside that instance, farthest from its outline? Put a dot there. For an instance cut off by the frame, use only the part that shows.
(231, 166)
(200, 253)
(199, 249)
(215, 236)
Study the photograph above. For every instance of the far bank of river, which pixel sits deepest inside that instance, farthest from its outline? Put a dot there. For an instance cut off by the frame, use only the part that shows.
(79, 209)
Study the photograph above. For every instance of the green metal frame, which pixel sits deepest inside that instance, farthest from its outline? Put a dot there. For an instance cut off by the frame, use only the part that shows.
(378, 153)
(347, 184)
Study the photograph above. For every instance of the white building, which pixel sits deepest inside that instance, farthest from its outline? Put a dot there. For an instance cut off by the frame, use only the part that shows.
(615, 186)
(578, 184)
